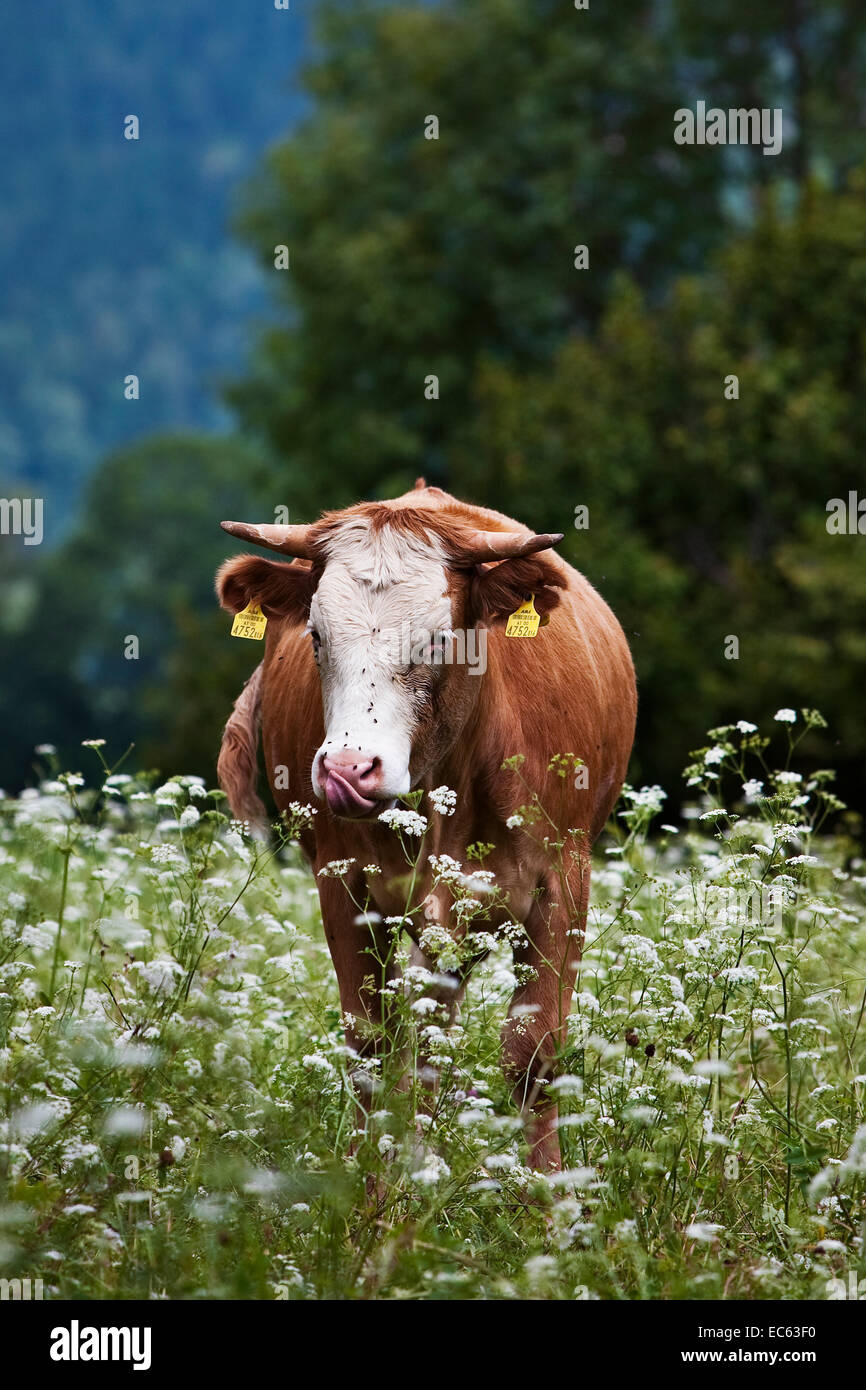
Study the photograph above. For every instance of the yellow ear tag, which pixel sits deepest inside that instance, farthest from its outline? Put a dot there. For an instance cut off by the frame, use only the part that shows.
(251, 622)
(524, 621)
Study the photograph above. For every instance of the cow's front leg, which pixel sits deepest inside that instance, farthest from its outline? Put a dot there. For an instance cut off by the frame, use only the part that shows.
(537, 1025)
(360, 952)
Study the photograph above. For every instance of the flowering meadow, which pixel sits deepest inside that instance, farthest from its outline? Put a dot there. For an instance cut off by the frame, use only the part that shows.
(178, 1110)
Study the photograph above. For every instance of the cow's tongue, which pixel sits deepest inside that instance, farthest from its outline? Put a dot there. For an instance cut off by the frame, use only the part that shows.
(344, 800)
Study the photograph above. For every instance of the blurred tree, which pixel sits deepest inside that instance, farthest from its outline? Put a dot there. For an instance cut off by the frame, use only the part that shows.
(415, 257)
(139, 565)
(708, 515)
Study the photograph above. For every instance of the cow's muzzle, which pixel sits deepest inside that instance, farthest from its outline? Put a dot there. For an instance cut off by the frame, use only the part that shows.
(352, 785)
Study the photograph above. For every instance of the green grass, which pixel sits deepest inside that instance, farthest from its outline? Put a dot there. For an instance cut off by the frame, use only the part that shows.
(178, 1119)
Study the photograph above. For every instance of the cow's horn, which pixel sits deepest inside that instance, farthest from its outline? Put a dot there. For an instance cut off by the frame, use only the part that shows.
(289, 540)
(504, 545)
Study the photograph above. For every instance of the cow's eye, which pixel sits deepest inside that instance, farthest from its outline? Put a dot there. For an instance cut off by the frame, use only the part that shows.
(316, 641)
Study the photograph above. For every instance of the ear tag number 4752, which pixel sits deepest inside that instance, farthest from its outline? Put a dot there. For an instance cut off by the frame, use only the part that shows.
(250, 622)
(524, 621)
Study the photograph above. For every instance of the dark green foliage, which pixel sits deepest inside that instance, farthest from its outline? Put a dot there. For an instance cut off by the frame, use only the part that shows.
(141, 564)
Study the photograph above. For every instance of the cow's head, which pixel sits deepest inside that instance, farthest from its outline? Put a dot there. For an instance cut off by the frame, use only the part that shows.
(386, 595)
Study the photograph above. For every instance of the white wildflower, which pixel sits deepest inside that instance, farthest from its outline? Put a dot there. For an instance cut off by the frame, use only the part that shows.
(444, 800)
(409, 821)
(314, 1061)
(165, 854)
(706, 1231)
(125, 1120)
(432, 1172)
(649, 797)
(336, 868)
(168, 794)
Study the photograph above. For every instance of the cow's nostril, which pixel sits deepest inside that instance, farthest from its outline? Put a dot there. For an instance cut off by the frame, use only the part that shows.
(362, 772)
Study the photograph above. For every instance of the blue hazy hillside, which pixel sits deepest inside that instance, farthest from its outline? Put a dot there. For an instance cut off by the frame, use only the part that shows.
(116, 256)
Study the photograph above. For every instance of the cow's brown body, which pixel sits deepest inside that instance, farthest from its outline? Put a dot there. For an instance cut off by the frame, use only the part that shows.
(569, 690)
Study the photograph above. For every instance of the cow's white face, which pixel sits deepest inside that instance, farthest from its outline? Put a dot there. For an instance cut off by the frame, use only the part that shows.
(382, 594)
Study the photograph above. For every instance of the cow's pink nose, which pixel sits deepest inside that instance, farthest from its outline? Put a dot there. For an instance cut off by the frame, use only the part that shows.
(351, 782)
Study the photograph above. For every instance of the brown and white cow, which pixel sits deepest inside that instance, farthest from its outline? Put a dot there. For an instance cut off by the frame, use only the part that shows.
(369, 725)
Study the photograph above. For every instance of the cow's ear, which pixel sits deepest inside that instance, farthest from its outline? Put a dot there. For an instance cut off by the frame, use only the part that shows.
(495, 591)
(280, 590)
